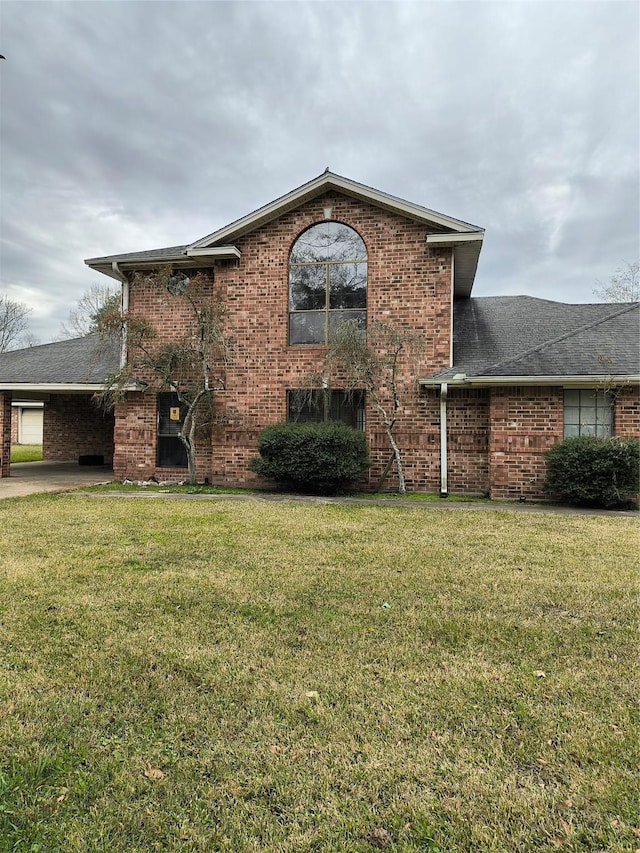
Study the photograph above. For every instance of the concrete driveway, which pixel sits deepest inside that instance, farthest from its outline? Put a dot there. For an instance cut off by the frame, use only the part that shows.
(29, 478)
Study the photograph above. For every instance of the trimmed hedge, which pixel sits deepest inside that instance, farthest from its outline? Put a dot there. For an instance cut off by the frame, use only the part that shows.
(312, 457)
(594, 471)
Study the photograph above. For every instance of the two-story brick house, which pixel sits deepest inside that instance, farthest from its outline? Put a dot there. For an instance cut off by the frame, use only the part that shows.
(500, 379)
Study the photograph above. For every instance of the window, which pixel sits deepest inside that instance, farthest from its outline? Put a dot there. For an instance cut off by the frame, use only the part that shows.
(327, 282)
(318, 405)
(170, 450)
(587, 412)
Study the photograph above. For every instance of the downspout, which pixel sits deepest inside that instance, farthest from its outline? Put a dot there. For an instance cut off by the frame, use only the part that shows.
(444, 489)
(124, 307)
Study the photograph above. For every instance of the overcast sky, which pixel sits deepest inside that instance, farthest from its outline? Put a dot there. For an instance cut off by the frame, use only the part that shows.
(135, 125)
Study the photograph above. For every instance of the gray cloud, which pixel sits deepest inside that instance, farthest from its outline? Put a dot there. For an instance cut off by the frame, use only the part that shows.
(133, 125)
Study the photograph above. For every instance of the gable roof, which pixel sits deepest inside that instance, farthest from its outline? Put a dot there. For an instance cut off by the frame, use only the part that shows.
(465, 239)
(80, 364)
(502, 338)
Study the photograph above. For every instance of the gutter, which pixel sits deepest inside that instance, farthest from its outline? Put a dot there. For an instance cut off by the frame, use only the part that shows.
(124, 307)
(461, 380)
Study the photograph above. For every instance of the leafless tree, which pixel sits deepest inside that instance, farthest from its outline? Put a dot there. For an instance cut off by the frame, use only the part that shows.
(372, 360)
(84, 319)
(623, 286)
(192, 366)
(13, 322)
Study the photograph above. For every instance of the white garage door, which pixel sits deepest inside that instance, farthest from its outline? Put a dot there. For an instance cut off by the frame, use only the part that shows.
(31, 426)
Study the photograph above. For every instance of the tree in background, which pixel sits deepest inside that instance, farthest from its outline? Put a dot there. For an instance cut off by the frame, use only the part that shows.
(623, 286)
(192, 366)
(93, 305)
(370, 360)
(13, 322)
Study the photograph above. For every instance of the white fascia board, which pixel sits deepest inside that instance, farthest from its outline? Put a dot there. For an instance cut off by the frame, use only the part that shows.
(53, 387)
(330, 181)
(580, 381)
(455, 239)
(215, 252)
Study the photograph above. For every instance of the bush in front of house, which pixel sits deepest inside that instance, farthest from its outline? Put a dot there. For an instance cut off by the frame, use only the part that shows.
(311, 457)
(593, 471)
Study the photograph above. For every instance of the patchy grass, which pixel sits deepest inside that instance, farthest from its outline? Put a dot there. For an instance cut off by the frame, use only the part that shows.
(26, 453)
(252, 676)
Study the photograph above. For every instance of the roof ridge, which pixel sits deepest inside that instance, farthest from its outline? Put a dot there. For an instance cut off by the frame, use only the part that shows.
(630, 307)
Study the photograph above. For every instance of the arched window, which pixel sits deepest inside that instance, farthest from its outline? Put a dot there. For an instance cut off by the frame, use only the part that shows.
(327, 282)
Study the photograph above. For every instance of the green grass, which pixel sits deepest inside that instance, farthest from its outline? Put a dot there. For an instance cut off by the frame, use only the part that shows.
(253, 676)
(26, 452)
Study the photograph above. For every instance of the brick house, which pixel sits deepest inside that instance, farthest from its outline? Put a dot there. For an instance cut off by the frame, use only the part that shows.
(501, 379)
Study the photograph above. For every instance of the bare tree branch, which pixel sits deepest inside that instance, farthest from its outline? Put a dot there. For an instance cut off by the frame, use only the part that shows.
(13, 322)
(623, 286)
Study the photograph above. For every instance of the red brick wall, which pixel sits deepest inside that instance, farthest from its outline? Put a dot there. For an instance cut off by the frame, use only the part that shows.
(524, 423)
(626, 413)
(5, 433)
(73, 426)
(15, 418)
(409, 285)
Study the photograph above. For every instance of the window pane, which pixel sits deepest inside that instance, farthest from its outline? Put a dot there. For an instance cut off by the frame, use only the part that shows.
(572, 415)
(328, 241)
(572, 397)
(307, 288)
(348, 286)
(571, 430)
(337, 317)
(307, 327)
(319, 405)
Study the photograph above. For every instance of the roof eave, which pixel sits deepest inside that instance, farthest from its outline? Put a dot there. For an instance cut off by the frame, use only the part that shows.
(317, 186)
(576, 380)
(206, 256)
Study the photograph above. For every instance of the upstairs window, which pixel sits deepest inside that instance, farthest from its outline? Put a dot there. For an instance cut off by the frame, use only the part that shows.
(327, 282)
(587, 412)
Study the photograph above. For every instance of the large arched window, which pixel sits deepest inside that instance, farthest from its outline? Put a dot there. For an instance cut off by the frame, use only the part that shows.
(327, 282)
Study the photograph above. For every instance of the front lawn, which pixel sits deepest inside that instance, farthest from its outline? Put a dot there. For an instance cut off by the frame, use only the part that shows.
(26, 453)
(253, 676)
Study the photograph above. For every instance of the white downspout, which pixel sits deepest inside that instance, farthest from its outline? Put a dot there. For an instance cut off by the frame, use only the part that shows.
(124, 307)
(444, 489)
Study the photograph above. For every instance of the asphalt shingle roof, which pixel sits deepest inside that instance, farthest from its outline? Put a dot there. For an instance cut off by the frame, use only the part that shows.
(79, 361)
(525, 336)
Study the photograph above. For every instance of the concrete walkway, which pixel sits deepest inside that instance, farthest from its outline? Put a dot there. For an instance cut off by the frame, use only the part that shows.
(30, 478)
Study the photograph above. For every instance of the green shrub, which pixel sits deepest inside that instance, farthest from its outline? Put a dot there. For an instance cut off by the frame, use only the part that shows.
(594, 471)
(321, 458)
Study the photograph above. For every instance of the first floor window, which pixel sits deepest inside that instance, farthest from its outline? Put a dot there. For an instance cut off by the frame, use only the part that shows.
(171, 452)
(587, 412)
(318, 405)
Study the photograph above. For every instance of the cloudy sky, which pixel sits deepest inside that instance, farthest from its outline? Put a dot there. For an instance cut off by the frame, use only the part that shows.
(134, 125)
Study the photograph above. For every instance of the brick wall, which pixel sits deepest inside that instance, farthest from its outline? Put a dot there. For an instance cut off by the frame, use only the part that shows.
(524, 423)
(5, 433)
(409, 285)
(626, 413)
(15, 420)
(73, 426)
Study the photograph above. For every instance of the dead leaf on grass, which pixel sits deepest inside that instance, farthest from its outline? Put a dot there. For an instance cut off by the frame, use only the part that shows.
(379, 838)
(153, 773)
(312, 694)
(539, 673)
